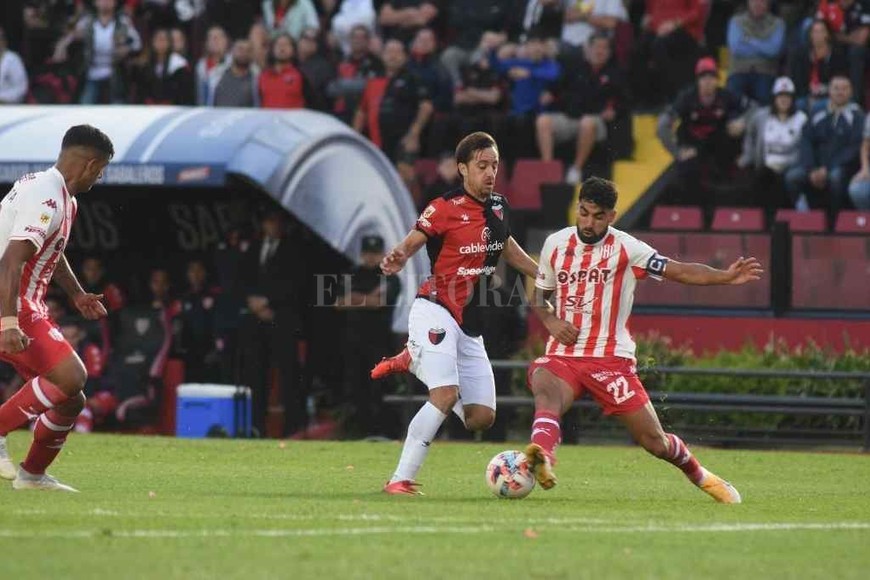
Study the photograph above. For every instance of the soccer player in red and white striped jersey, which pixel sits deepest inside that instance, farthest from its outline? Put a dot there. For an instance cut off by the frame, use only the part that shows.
(590, 272)
(35, 222)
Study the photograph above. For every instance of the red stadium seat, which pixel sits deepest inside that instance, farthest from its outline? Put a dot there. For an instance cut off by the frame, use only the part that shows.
(738, 219)
(802, 221)
(853, 222)
(678, 218)
(426, 170)
(528, 175)
(830, 272)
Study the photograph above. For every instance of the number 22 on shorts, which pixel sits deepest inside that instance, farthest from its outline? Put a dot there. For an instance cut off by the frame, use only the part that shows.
(620, 390)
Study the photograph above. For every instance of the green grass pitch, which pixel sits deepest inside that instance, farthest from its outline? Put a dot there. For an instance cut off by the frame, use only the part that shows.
(168, 508)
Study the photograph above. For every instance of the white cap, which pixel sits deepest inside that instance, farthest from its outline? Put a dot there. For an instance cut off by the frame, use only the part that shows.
(783, 85)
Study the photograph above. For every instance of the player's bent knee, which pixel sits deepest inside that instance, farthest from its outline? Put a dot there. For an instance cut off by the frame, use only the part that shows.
(72, 406)
(443, 398)
(480, 419)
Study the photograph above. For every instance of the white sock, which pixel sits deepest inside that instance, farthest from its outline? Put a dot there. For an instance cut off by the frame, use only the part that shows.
(459, 410)
(421, 432)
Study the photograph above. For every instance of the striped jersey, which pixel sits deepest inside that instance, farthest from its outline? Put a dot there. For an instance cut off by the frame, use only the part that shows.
(593, 288)
(38, 209)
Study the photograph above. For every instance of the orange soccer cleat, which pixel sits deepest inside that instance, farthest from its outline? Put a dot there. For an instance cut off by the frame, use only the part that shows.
(402, 487)
(394, 364)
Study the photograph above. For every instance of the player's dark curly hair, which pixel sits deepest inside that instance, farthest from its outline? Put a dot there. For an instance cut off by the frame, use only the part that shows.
(599, 191)
(474, 142)
(88, 136)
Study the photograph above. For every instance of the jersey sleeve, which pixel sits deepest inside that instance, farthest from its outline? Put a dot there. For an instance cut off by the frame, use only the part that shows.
(644, 260)
(546, 277)
(433, 221)
(36, 216)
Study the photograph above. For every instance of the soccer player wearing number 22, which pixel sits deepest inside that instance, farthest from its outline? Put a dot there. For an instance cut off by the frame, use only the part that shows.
(465, 231)
(590, 273)
(35, 221)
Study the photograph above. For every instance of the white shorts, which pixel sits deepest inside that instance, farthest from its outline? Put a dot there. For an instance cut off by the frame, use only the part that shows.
(443, 355)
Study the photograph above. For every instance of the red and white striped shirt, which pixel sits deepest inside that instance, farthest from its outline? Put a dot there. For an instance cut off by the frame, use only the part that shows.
(593, 288)
(38, 209)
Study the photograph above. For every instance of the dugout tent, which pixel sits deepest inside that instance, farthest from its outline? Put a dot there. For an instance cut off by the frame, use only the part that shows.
(316, 167)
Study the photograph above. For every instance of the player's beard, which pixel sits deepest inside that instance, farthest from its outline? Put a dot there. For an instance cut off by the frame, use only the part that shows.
(594, 239)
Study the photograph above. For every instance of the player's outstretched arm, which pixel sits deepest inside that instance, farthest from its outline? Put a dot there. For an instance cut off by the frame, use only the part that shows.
(517, 257)
(17, 253)
(395, 260)
(90, 305)
(740, 272)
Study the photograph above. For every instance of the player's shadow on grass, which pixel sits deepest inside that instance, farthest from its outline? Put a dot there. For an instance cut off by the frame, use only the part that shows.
(379, 495)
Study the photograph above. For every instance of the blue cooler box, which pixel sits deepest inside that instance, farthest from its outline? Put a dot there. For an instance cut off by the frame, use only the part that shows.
(219, 409)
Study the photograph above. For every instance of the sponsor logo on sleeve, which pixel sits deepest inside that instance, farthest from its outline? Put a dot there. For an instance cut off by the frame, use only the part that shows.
(33, 230)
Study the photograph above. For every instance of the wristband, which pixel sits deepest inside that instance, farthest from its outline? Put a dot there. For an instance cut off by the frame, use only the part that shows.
(8, 322)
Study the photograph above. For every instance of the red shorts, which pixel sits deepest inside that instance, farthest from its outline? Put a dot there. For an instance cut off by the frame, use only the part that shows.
(612, 381)
(47, 347)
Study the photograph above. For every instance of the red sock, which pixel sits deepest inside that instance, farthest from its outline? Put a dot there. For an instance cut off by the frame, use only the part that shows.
(33, 399)
(546, 431)
(49, 436)
(679, 455)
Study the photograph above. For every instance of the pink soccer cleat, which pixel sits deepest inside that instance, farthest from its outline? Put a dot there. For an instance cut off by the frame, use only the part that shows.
(394, 364)
(402, 487)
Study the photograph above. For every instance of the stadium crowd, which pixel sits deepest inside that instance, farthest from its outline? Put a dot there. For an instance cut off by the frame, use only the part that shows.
(550, 79)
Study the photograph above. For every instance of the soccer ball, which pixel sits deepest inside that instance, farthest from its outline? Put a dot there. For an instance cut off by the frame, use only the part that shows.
(508, 475)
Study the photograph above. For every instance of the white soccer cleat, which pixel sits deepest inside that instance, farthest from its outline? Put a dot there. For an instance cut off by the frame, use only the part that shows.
(719, 489)
(7, 468)
(43, 482)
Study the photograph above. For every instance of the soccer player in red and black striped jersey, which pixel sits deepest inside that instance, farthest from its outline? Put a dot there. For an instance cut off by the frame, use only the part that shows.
(590, 272)
(465, 231)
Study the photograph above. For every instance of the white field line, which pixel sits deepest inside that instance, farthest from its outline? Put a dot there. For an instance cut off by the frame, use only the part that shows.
(423, 530)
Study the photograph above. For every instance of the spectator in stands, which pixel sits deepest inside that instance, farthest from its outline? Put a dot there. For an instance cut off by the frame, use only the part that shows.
(292, 17)
(319, 70)
(859, 189)
(156, 13)
(178, 40)
(163, 77)
(282, 85)
(668, 47)
(425, 64)
(217, 46)
(704, 144)
(261, 42)
(830, 149)
(478, 101)
(45, 22)
(201, 362)
(232, 261)
(772, 145)
(270, 332)
(447, 179)
(358, 66)
(233, 16)
(589, 96)
(812, 67)
(351, 15)
(394, 110)
(853, 35)
(469, 20)
(531, 73)
(755, 41)
(367, 301)
(401, 19)
(92, 276)
(13, 76)
(235, 84)
(544, 17)
(583, 19)
(109, 38)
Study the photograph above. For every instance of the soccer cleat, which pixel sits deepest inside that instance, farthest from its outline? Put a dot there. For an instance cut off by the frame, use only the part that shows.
(719, 489)
(394, 364)
(7, 468)
(541, 465)
(43, 482)
(402, 487)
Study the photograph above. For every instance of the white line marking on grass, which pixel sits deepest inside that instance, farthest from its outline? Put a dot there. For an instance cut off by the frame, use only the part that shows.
(422, 530)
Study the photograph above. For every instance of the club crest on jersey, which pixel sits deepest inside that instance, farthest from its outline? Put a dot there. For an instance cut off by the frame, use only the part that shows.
(606, 251)
(50, 203)
(436, 335)
(498, 210)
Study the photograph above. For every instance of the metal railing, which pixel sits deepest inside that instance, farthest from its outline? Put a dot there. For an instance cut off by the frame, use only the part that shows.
(720, 402)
